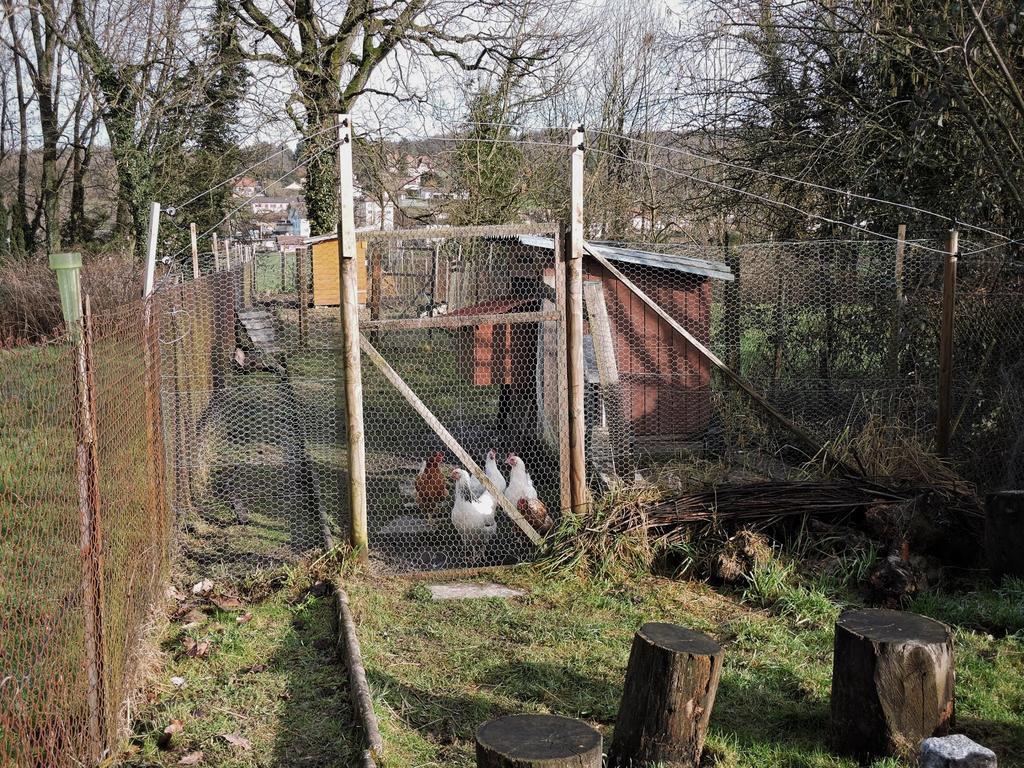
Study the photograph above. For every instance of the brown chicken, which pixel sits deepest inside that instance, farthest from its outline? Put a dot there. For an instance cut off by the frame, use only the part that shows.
(431, 486)
(536, 514)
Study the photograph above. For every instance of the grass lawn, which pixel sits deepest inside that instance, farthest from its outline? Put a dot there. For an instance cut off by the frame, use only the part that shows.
(272, 680)
(439, 669)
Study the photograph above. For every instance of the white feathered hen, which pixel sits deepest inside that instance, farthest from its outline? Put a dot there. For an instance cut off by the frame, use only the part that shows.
(472, 517)
(493, 474)
(520, 484)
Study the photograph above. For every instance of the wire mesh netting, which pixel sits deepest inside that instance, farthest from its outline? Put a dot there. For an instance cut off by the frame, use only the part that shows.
(86, 534)
(468, 320)
(831, 333)
(250, 400)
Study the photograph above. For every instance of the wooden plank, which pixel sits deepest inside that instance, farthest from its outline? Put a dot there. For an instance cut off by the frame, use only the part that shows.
(942, 428)
(446, 437)
(446, 232)
(712, 358)
(458, 321)
(574, 336)
(607, 367)
(353, 379)
(194, 238)
(564, 458)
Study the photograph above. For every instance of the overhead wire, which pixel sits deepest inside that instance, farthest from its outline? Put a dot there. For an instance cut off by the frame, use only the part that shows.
(330, 147)
(809, 184)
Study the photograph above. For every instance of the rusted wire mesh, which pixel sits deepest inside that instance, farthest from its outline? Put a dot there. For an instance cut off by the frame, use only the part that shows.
(86, 534)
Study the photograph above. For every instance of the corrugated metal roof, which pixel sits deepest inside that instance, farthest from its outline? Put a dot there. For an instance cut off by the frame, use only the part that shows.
(714, 269)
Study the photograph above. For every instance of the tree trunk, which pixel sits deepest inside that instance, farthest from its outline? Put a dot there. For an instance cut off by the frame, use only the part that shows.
(670, 689)
(537, 741)
(1004, 533)
(892, 682)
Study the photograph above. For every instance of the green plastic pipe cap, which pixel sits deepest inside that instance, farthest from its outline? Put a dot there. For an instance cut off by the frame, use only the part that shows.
(65, 261)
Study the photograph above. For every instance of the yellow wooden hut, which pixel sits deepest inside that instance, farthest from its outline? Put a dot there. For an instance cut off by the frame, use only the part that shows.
(326, 272)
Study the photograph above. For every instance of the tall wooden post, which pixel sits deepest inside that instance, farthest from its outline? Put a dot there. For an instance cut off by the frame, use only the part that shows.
(574, 331)
(193, 236)
(216, 254)
(300, 290)
(564, 454)
(897, 315)
(67, 267)
(350, 341)
(942, 431)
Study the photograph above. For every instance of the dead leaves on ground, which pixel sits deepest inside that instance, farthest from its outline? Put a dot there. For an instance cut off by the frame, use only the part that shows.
(164, 739)
(192, 758)
(236, 740)
(196, 649)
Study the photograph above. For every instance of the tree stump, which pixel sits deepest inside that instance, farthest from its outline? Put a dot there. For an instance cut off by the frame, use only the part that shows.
(892, 682)
(1004, 533)
(537, 741)
(671, 682)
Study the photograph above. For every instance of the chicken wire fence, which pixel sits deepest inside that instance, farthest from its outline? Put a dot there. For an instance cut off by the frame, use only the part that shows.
(834, 334)
(85, 533)
(468, 320)
(249, 391)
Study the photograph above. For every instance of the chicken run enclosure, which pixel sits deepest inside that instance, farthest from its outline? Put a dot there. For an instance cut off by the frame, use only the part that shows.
(463, 333)
(464, 321)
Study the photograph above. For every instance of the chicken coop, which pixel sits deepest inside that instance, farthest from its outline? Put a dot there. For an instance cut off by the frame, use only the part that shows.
(458, 325)
(648, 388)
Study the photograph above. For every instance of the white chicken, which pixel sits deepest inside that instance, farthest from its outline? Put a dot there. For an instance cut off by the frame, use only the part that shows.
(493, 474)
(520, 484)
(473, 518)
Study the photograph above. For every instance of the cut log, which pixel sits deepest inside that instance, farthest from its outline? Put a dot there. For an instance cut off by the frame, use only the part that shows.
(536, 741)
(892, 683)
(671, 682)
(1004, 533)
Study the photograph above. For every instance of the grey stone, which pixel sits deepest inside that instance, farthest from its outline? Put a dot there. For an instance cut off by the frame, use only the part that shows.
(470, 591)
(956, 751)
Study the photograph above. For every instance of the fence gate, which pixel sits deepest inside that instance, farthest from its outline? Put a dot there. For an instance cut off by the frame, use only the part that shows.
(463, 346)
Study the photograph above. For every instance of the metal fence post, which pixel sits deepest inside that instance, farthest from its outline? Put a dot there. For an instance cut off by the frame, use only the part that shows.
(942, 431)
(67, 267)
(574, 295)
(350, 335)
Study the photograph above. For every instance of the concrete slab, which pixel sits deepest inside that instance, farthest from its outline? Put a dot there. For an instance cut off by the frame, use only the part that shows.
(471, 591)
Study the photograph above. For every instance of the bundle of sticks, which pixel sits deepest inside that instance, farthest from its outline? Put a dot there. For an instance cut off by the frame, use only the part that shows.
(766, 503)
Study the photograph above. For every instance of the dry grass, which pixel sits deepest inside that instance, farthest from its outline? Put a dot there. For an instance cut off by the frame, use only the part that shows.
(30, 303)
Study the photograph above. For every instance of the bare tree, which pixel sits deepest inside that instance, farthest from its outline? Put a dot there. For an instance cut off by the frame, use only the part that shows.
(337, 53)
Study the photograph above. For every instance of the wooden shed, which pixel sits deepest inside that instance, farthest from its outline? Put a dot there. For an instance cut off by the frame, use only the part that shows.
(327, 274)
(658, 383)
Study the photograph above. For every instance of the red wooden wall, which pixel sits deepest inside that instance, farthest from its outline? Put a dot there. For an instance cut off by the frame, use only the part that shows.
(665, 382)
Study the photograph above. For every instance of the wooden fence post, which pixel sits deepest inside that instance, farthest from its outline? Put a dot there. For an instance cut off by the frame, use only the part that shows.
(942, 431)
(574, 319)
(216, 253)
(348, 269)
(564, 453)
(193, 236)
(67, 267)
